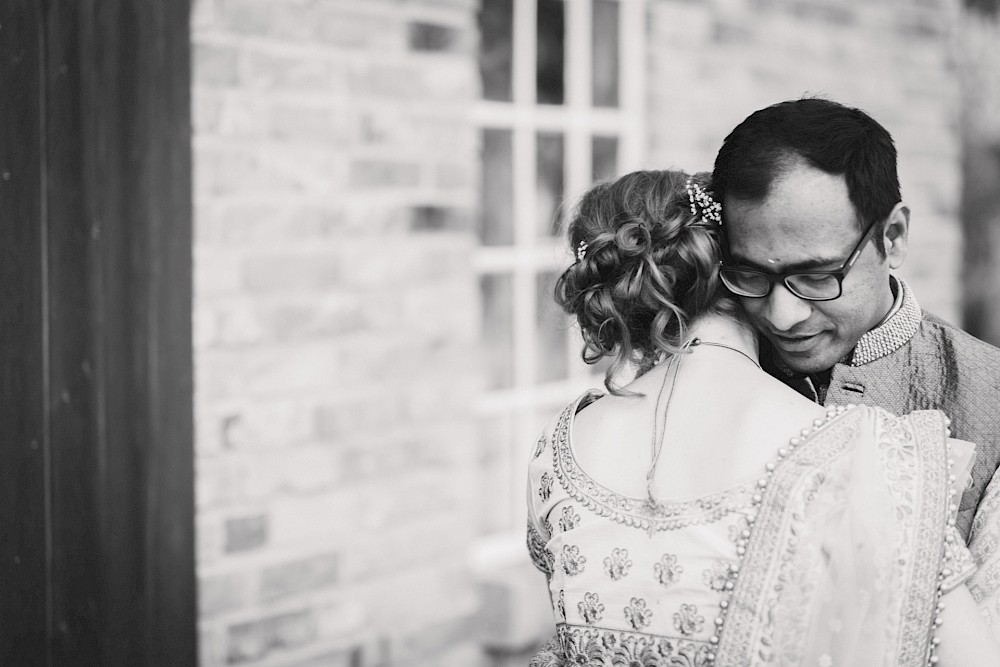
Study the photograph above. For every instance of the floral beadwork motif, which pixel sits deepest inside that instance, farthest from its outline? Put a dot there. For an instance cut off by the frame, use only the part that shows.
(539, 446)
(637, 615)
(545, 486)
(573, 561)
(739, 530)
(687, 621)
(617, 564)
(716, 576)
(561, 606)
(668, 571)
(569, 519)
(591, 609)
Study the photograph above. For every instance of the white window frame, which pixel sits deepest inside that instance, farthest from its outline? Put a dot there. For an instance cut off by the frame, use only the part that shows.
(530, 255)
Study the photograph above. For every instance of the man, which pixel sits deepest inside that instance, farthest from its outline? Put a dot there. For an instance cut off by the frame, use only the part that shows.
(814, 225)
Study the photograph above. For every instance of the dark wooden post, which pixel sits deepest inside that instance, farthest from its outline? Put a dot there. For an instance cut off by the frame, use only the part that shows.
(95, 314)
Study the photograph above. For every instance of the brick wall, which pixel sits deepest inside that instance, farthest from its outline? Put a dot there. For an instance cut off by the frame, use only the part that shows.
(712, 63)
(335, 322)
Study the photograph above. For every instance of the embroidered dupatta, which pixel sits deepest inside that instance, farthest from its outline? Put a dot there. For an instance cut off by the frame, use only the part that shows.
(843, 563)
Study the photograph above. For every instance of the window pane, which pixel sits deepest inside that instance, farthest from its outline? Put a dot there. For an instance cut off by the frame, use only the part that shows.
(551, 52)
(604, 162)
(498, 329)
(605, 53)
(552, 325)
(549, 182)
(495, 467)
(497, 215)
(496, 37)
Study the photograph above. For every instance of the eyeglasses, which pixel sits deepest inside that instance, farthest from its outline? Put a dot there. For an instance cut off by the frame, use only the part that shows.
(809, 285)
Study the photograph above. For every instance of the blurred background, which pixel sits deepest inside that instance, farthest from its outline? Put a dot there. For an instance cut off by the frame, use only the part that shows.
(356, 206)
(378, 204)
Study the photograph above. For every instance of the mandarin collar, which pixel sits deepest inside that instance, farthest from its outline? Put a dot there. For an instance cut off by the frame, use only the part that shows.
(891, 334)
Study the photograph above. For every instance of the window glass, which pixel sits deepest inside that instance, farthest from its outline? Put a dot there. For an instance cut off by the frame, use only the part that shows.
(497, 214)
(605, 158)
(549, 182)
(495, 472)
(604, 55)
(496, 27)
(552, 325)
(551, 52)
(497, 329)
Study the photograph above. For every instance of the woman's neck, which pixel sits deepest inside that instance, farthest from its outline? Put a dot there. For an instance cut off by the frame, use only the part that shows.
(725, 331)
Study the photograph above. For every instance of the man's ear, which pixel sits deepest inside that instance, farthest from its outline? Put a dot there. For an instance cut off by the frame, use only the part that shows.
(894, 236)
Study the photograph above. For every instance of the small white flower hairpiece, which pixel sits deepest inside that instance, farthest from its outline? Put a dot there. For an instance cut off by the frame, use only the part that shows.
(711, 210)
(581, 251)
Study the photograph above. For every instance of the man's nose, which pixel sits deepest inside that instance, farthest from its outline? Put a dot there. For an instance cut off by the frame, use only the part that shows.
(784, 310)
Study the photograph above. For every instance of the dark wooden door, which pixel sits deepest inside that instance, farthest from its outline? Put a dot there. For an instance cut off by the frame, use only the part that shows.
(96, 457)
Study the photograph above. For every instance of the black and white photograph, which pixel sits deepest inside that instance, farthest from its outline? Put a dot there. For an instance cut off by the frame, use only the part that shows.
(500, 333)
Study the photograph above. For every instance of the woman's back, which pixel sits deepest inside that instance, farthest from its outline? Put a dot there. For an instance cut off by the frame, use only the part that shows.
(641, 577)
(719, 421)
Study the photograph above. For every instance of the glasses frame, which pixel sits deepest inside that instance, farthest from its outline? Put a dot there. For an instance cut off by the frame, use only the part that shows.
(839, 273)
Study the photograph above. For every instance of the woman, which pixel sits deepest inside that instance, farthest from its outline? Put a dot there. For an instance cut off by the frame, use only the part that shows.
(705, 513)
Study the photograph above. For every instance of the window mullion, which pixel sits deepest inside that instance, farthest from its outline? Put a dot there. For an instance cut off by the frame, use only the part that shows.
(632, 56)
(525, 146)
(525, 51)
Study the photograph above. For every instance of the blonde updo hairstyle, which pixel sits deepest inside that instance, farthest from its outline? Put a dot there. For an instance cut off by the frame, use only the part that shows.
(649, 267)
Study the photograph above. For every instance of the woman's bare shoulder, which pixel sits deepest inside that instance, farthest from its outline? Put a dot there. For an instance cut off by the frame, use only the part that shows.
(610, 439)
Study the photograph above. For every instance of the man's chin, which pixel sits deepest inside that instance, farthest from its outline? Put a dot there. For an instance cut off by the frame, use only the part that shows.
(805, 363)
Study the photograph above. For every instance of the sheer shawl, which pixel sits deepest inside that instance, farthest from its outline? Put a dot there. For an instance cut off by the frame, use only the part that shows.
(848, 544)
(984, 543)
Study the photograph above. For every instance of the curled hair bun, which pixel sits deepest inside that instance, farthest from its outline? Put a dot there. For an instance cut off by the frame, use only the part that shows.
(650, 265)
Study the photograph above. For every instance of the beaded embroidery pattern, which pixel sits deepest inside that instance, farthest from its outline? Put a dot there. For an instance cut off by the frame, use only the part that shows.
(630, 511)
(893, 334)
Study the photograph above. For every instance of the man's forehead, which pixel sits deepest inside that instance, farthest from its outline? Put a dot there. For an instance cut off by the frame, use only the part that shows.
(807, 244)
(798, 184)
(788, 256)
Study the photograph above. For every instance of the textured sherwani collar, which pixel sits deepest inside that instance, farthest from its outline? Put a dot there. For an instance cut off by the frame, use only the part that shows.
(893, 333)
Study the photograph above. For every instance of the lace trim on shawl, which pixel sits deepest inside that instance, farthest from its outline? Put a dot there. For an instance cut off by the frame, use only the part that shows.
(922, 598)
(912, 458)
(635, 512)
(959, 565)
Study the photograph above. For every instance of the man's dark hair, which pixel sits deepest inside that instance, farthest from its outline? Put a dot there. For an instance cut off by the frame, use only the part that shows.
(828, 136)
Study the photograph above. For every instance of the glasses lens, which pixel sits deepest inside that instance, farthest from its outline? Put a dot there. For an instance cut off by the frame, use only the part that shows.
(745, 283)
(818, 286)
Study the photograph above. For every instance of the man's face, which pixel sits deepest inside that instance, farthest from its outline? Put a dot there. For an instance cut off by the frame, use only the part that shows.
(807, 222)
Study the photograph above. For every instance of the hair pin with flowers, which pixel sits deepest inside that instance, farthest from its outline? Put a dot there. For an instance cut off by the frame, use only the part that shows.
(581, 251)
(711, 210)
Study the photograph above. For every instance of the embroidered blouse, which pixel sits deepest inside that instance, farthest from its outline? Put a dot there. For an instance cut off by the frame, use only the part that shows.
(635, 584)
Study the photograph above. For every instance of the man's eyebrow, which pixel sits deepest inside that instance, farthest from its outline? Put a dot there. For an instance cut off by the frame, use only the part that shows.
(814, 264)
